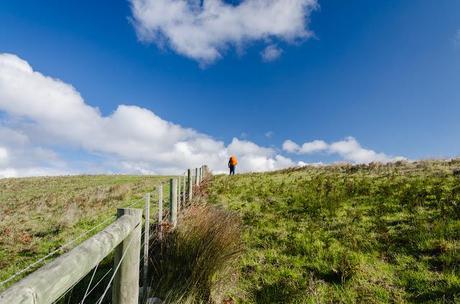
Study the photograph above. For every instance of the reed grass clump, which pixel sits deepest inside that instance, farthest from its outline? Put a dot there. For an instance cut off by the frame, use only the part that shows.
(189, 263)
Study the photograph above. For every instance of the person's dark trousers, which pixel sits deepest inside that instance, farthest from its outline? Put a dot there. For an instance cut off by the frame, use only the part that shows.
(232, 170)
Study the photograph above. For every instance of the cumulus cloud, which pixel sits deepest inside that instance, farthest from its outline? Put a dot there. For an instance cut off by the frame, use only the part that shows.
(271, 53)
(306, 148)
(19, 157)
(41, 116)
(348, 149)
(203, 30)
(46, 112)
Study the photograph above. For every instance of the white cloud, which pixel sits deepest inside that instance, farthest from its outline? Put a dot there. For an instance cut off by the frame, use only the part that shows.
(307, 148)
(46, 112)
(348, 149)
(269, 134)
(271, 53)
(457, 38)
(3, 156)
(42, 116)
(204, 31)
(19, 157)
(290, 146)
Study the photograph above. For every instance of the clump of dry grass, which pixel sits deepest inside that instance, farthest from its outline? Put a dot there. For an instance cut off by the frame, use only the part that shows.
(191, 261)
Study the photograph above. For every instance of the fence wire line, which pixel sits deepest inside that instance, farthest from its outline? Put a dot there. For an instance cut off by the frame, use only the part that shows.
(62, 247)
(54, 252)
(116, 268)
(65, 293)
(140, 200)
(89, 284)
(97, 284)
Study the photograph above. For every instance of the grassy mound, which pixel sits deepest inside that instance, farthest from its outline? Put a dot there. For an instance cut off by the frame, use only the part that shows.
(348, 234)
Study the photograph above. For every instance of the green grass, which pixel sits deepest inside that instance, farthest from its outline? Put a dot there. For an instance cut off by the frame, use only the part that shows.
(348, 234)
(38, 215)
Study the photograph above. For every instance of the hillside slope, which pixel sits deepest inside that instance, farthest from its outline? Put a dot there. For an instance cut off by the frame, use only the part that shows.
(37, 215)
(348, 234)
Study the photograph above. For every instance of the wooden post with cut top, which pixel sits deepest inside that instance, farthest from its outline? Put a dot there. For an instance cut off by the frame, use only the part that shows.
(184, 190)
(160, 211)
(125, 289)
(145, 266)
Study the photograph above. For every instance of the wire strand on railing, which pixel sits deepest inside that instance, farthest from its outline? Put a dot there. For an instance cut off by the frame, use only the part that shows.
(54, 252)
(89, 284)
(137, 201)
(97, 284)
(65, 293)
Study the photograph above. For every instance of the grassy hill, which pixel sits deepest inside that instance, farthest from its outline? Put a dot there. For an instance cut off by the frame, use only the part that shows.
(37, 215)
(348, 234)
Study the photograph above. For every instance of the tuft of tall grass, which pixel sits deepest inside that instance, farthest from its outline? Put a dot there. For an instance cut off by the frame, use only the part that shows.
(190, 263)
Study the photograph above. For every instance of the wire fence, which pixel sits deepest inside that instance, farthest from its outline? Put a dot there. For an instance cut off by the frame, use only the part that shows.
(105, 271)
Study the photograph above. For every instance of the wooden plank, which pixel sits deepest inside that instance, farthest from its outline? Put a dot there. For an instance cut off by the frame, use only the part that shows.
(173, 201)
(125, 288)
(145, 266)
(160, 211)
(49, 282)
(190, 185)
(179, 183)
(184, 190)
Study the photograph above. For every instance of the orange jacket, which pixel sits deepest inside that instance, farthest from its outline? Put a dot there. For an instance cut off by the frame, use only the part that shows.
(233, 161)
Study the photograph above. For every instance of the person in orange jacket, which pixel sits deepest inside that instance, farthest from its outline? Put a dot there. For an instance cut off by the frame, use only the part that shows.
(232, 162)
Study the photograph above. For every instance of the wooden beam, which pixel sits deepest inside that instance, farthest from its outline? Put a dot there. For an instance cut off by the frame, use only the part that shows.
(173, 201)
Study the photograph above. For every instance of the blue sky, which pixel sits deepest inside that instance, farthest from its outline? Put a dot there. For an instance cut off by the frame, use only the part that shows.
(386, 73)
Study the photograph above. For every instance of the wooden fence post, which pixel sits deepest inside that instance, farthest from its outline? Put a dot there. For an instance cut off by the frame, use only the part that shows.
(190, 185)
(173, 201)
(125, 289)
(146, 246)
(160, 211)
(184, 190)
(179, 198)
(197, 181)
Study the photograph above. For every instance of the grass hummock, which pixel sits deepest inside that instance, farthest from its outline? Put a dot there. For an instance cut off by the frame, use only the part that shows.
(192, 263)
